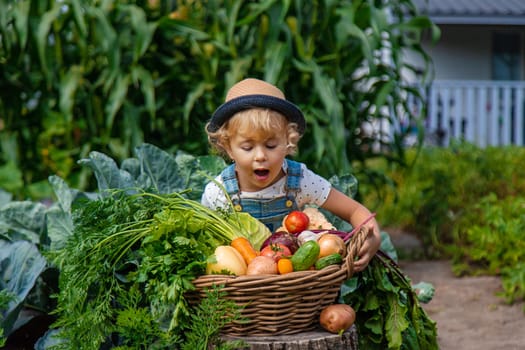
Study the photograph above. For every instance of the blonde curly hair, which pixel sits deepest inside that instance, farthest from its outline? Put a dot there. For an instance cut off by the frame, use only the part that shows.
(265, 121)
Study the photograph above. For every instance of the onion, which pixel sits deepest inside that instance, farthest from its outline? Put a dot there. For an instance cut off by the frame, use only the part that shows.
(306, 236)
(331, 244)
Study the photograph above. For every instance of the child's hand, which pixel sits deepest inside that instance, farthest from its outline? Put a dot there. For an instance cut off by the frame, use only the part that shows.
(368, 249)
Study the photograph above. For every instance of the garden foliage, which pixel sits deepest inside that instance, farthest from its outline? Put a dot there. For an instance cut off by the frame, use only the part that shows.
(463, 202)
(81, 76)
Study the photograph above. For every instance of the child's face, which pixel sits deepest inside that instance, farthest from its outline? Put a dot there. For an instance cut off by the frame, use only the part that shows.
(258, 158)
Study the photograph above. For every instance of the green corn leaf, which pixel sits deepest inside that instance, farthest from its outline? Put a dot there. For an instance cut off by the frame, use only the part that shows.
(143, 77)
(277, 54)
(69, 84)
(143, 29)
(79, 17)
(117, 97)
(21, 15)
(194, 95)
(42, 37)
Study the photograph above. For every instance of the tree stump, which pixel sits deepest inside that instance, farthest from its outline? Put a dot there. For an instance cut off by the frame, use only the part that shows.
(313, 340)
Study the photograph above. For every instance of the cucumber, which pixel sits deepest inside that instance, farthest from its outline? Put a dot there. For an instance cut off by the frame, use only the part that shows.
(328, 260)
(306, 256)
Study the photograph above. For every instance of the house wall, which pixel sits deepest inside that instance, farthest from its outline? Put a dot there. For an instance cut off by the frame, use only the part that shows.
(471, 48)
(463, 52)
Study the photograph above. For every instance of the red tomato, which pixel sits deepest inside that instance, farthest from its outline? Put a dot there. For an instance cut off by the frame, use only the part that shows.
(296, 222)
(276, 251)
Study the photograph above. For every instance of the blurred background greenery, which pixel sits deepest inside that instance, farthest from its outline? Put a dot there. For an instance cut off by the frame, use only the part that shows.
(78, 76)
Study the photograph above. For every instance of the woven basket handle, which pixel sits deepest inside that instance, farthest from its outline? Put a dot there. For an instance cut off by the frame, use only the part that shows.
(353, 247)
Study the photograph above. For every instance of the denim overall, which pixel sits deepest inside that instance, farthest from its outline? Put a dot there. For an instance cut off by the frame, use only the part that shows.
(270, 212)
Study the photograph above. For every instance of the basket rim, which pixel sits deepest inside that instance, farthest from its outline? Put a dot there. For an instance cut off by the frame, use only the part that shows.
(353, 245)
(291, 277)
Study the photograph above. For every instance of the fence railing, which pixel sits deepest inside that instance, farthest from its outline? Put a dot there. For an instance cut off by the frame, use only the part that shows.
(485, 113)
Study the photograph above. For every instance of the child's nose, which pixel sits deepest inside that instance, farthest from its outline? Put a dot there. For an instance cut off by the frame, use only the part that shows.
(260, 154)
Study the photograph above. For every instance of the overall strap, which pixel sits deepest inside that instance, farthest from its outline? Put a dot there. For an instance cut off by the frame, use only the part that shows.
(230, 180)
(294, 176)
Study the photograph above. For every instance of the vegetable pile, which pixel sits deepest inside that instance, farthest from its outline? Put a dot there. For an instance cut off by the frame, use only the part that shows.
(295, 248)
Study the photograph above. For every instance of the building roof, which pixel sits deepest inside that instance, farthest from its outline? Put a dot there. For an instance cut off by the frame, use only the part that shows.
(486, 12)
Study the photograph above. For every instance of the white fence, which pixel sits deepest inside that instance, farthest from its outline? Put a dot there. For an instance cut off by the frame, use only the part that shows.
(486, 113)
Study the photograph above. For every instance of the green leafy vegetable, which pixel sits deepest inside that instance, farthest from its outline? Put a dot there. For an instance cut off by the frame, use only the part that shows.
(212, 314)
(21, 264)
(22, 220)
(5, 298)
(424, 291)
(155, 170)
(389, 315)
(133, 257)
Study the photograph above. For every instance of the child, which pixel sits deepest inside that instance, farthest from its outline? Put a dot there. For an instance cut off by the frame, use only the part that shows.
(257, 128)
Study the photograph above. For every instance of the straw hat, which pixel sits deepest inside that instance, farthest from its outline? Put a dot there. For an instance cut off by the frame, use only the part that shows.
(252, 93)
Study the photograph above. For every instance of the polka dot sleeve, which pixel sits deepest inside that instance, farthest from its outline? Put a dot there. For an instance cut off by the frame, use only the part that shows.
(314, 188)
(213, 196)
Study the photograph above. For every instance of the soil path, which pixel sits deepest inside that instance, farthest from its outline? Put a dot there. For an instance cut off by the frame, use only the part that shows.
(468, 313)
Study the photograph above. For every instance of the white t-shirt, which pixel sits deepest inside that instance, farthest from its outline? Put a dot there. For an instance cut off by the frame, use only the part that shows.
(314, 190)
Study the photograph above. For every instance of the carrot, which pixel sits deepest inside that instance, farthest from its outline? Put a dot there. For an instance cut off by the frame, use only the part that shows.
(284, 265)
(245, 248)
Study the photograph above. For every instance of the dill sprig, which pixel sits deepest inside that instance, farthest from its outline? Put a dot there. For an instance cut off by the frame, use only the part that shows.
(208, 318)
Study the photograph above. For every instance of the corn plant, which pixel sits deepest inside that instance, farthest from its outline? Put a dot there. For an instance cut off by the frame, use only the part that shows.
(77, 76)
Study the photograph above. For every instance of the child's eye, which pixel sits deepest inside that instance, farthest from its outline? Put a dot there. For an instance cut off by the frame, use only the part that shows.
(271, 146)
(246, 148)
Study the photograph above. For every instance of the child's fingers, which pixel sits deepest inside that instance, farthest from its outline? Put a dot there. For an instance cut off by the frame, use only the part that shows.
(361, 263)
(363, 257)
(366, 252)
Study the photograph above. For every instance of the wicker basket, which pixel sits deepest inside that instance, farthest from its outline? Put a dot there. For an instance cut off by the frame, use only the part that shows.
(282, 304)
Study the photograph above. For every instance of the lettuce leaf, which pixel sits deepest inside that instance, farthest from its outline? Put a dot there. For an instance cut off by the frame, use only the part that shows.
(257, 232)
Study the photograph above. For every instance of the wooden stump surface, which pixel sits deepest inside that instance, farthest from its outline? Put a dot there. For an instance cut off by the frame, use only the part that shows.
(313, 340)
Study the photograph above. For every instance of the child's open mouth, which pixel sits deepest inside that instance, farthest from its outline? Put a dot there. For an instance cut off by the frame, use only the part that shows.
(262, 173)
